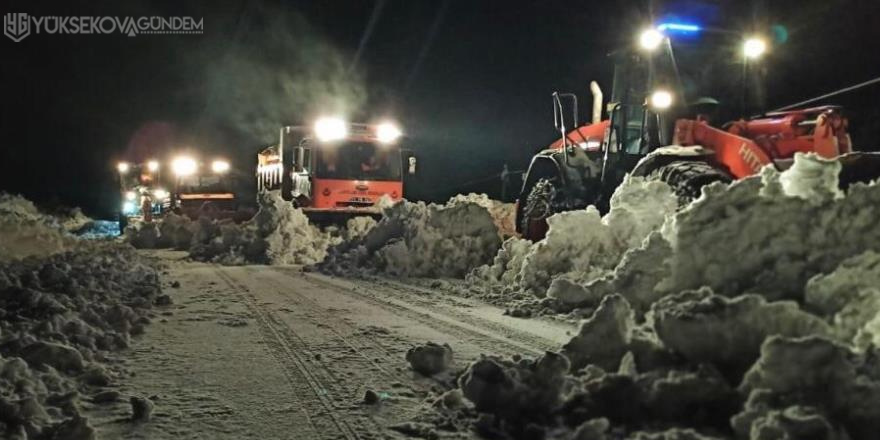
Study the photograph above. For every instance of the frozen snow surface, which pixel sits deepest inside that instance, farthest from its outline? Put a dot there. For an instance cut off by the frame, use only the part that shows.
(753, 313)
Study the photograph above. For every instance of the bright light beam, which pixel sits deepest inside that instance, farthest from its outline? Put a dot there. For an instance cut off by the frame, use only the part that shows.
(679, 27)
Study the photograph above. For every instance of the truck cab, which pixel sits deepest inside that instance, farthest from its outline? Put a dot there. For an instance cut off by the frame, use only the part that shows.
(142, 196)
(337, 168)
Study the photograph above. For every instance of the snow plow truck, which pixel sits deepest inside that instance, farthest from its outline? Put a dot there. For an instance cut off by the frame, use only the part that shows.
(335, 170)
(141, 192)
(647, 133)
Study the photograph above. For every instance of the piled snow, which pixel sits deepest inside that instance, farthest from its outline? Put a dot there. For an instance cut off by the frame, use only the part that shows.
(779, 229)
(278, 234)
(421, 240)
(580, 246)
(753, 313)
(25, 231)
(503, 214)
(850, 295)
(59, 316)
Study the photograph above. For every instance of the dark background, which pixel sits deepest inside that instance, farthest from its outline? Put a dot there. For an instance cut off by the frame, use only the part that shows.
(469, 80)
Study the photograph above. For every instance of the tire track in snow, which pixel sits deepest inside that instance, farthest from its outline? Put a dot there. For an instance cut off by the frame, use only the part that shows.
(296, 369)
(323, 313)
(474, 332)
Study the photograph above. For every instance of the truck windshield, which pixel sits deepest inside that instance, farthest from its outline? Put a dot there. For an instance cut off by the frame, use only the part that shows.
(357, 161)
(203, 184)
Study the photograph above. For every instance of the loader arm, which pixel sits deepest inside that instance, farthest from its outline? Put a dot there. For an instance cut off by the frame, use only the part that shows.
(742, 157)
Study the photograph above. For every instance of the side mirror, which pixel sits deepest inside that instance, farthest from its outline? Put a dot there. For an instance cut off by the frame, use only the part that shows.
(412, 165)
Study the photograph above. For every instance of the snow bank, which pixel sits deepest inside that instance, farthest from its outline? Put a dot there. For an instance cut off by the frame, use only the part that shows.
(772, 233)
(503, 214)
(753, 313)
(59, 315)
(580, 245)
(278, 234)
(25, 231)
(421, 240)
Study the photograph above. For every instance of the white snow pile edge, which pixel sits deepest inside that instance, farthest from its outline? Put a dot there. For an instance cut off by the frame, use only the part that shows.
(754, 314)
(414, 239)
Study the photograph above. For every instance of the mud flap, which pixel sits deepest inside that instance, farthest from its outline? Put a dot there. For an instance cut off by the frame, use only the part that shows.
(858, 167)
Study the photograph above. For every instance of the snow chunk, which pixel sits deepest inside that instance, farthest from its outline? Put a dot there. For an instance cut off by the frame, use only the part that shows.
(430, 359)
(603, 338)
(728, 333)
(813, 372)
(517, 392)
(850, 296)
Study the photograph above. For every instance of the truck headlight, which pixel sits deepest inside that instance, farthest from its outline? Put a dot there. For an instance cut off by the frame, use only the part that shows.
(220, 166)
(160, 194)
(184, 166)
(387, 133)
(330, 129)
(122, 167)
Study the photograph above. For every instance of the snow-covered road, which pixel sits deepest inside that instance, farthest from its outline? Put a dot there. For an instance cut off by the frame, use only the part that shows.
(274, 352)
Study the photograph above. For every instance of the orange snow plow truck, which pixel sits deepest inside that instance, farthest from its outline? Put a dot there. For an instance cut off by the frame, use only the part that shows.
(649, 131)
(336, 170)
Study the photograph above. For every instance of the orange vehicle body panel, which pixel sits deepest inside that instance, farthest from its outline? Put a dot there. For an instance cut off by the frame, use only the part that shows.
(821, 130)
(586, 133)
(352, 195)
(743, 157)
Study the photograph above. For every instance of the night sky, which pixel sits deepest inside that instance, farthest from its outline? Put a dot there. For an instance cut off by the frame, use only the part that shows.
(469, 80)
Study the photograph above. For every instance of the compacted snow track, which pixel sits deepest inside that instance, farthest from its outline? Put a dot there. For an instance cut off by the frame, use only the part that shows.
(275, 352)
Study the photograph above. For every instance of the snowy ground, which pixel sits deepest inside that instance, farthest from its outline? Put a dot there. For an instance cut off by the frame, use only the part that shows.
(275, 352)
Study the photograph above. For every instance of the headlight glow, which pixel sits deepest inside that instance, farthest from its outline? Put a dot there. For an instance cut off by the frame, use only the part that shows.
(387, 132)
(220, 166)
(153, 166)
(330, 129)
(128, 207)
(122, 167)
(651, 39)
(184, 166)
(661, 100)
(160, 194)
(130, 195)
(754, 47)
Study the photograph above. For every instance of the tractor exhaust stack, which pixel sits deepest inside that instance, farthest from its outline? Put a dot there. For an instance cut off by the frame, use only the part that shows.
(597, 102)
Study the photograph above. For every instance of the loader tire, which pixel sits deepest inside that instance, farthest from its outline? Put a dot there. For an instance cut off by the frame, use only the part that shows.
(687, 178)
(538, 206)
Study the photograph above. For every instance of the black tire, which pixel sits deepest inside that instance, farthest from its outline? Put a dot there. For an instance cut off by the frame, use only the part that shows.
(687, 178)
(539, 205)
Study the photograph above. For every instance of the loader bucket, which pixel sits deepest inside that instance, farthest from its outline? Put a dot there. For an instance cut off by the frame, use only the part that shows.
(858, 167)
